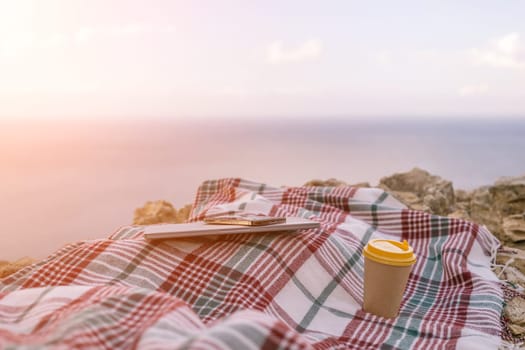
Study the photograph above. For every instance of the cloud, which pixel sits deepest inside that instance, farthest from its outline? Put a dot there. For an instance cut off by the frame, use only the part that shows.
(473, 90)
(310, 50)
(505, 52)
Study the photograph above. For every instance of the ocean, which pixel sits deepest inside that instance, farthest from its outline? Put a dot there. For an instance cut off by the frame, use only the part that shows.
(67, 181)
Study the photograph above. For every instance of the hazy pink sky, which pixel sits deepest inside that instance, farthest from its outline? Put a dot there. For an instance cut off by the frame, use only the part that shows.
(179, 59)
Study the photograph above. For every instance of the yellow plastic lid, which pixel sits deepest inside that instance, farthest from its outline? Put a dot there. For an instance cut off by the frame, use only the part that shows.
(388, 252)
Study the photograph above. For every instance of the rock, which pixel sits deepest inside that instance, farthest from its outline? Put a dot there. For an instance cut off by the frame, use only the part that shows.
(460, 214)
(410, 199)
(161, 211)
(515, 312)
(517, 329)
(501, 208)
(8, 268)
(184, 213)
(334, 183)
(155, 213)
(326, 183)
(513, 228)
(433, 193)
(511, 267)
(462, 208)
(482, 212)
(438, 203)
(462, 196)
(514, 260)
(509, 195)
(361, 184)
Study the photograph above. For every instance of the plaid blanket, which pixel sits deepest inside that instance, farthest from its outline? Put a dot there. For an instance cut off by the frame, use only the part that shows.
(279, 290)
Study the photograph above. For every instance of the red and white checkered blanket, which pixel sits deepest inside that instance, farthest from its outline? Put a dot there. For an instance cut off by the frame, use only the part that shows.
(277, 290)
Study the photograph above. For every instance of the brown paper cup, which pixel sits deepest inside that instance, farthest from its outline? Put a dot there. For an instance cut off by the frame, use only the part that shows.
(384, 288)
(385, 280)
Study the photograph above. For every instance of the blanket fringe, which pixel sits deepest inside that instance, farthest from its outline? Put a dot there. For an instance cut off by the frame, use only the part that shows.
(506, 345)
(499, 269)
(496, 245)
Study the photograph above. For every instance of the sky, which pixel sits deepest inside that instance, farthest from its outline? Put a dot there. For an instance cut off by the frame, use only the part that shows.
(248, 59)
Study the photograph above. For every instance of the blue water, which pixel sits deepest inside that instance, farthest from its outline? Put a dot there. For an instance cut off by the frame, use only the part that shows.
(61, 182)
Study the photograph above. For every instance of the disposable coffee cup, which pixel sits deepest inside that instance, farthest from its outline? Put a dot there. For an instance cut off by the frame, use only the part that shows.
(387, 267)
